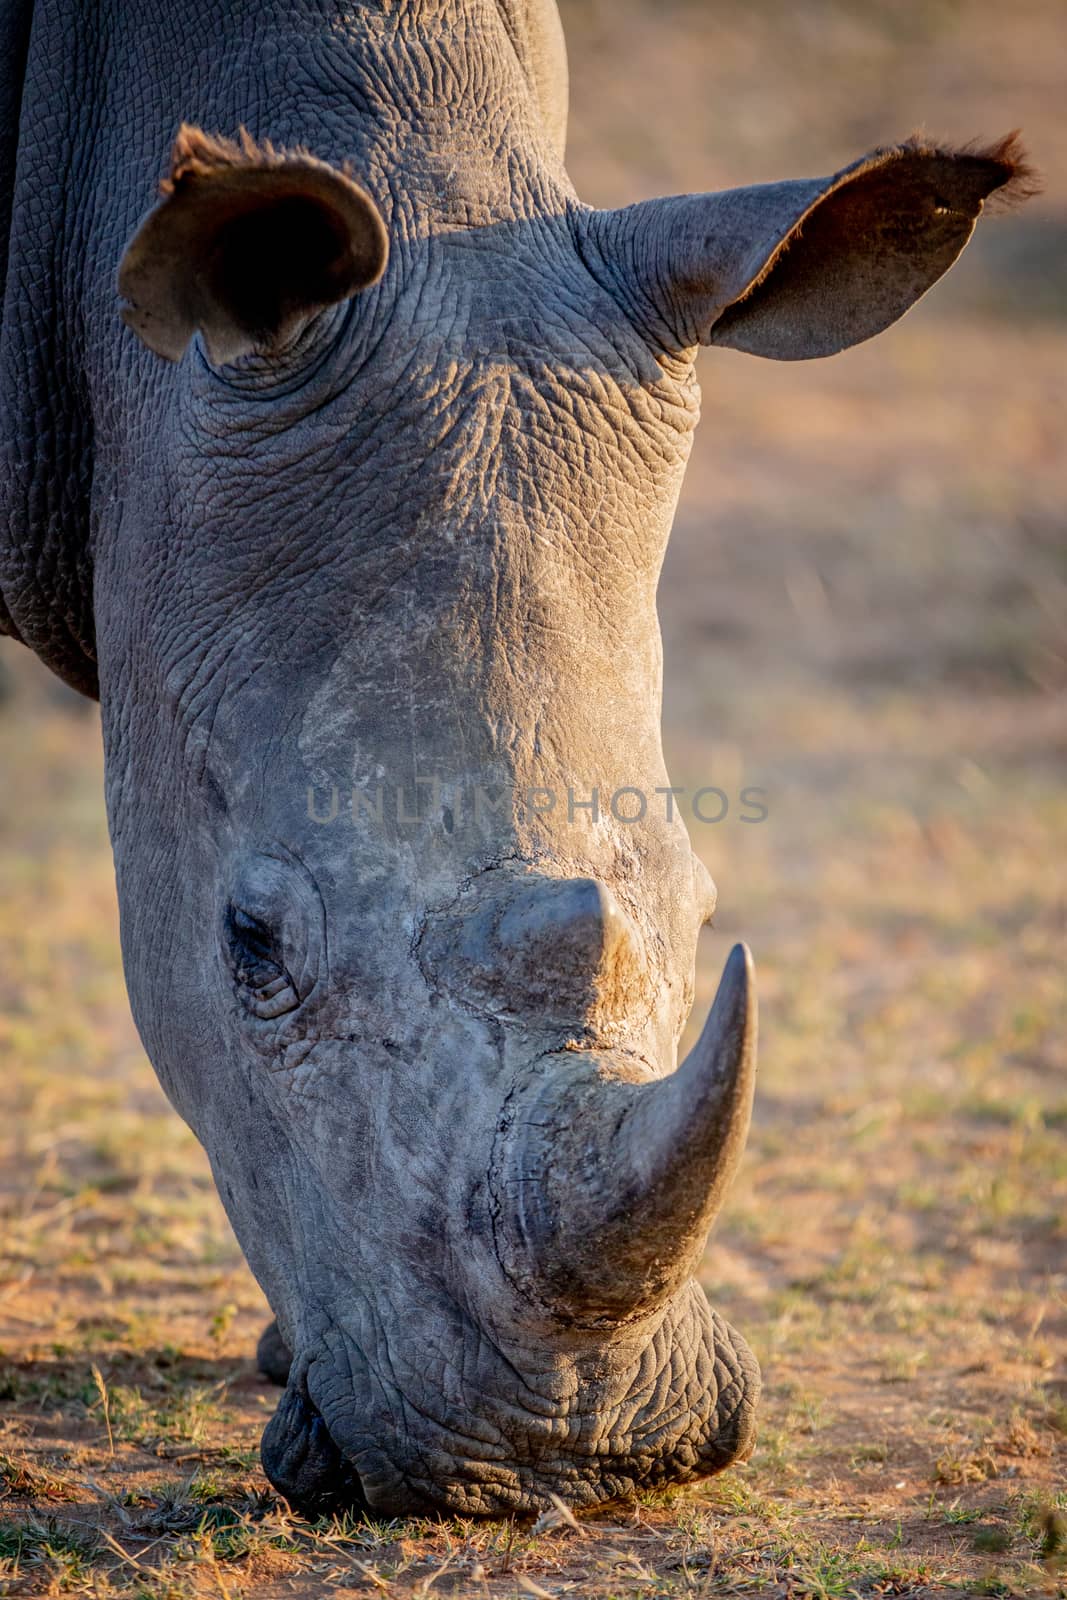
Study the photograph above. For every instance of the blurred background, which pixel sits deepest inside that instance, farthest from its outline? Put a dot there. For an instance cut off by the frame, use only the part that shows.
(864, 612)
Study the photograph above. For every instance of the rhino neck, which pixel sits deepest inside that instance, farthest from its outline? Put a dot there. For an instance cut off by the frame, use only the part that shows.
(451, 110)
(535, 34)
(454, 111)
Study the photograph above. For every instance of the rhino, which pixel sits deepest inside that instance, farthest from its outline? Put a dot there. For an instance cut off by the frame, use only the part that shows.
(340, 467)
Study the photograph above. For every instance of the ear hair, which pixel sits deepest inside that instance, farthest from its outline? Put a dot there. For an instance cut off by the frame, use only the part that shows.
(1019, 181)
(196, 154)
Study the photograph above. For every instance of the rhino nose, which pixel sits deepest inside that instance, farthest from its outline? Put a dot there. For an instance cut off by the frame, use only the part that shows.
(559, 950)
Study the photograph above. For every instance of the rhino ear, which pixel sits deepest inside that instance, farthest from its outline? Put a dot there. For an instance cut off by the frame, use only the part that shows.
(247, 243)
(806, 268)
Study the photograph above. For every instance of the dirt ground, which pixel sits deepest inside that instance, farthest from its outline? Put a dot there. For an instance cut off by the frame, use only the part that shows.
(865, 615)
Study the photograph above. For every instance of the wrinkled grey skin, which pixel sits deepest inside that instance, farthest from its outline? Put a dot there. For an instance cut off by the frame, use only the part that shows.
(418, 539)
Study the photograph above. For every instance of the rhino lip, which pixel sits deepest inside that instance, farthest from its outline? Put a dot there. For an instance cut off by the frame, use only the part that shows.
(688, 1397)
(303, 1462)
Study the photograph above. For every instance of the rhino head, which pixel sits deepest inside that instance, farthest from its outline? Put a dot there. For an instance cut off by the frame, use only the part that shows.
(408, 919)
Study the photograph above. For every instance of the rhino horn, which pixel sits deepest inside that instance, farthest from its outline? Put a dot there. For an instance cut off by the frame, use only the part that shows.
(618, 1183)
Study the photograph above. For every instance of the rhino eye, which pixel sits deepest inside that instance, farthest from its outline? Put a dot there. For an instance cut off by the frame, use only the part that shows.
(263, 982)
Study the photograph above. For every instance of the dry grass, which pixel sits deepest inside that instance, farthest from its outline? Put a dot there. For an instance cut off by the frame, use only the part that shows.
(864, 613)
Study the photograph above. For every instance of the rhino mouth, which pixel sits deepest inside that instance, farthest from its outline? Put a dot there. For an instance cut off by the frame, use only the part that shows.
(303, 1462)
(681, 1407)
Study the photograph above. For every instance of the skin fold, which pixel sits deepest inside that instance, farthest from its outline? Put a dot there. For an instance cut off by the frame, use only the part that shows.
(355, 530)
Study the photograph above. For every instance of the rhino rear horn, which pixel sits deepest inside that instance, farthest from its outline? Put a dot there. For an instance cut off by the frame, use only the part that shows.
(247, 243)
